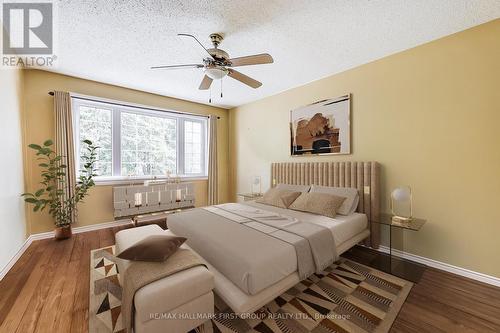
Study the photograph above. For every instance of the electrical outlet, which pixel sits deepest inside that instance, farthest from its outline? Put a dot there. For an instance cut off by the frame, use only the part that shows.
(366, 190)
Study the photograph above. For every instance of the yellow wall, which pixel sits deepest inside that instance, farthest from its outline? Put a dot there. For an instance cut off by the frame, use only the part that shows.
(431, 116)
(39, 125)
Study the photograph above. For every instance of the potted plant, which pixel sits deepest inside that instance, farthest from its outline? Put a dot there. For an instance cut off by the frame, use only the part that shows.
(53, 196)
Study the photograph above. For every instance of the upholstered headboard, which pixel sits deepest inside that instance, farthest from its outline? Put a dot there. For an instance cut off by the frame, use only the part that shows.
(361, 175)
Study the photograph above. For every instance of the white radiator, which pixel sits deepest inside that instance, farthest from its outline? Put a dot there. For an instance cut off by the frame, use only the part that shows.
(139, 199)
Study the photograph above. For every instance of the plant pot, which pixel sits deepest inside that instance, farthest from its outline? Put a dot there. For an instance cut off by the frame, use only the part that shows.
(63, 232)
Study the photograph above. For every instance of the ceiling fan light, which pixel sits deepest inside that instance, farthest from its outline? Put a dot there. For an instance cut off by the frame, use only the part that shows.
(216, 73)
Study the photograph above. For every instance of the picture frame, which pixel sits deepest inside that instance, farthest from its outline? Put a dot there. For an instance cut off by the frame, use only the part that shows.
(321, 128)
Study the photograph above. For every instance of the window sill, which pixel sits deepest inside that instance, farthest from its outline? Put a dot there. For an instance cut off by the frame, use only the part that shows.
(123, 181)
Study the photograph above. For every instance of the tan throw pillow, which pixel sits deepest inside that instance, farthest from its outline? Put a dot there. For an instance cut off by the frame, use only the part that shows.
(289, 197)
(153, 248)
(278, 198)
(318, 203)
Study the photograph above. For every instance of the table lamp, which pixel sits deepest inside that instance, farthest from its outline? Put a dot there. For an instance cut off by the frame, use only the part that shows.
(256, 185)
(401, 204)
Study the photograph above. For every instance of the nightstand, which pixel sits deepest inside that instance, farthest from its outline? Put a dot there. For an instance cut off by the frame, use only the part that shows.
(250, 196)
(395, 265)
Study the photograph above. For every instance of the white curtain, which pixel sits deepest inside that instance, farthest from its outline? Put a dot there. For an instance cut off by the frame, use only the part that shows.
(64, 142)
(213, 181)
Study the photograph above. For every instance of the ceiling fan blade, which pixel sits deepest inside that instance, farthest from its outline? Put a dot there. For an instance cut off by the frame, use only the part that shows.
(196, 39)
(205, 83)
(178, 66)
(244, 79)
(256, 59)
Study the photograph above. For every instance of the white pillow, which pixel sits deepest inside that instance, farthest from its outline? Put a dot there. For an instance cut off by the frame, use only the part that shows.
(294, 188)
(351, 194)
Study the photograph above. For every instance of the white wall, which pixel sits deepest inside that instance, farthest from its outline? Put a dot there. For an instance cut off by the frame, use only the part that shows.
(12, 220)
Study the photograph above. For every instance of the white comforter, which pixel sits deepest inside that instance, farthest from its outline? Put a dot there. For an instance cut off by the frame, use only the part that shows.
(250, 259)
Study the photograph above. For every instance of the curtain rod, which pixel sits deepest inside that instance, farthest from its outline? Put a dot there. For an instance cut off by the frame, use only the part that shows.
(51, 93)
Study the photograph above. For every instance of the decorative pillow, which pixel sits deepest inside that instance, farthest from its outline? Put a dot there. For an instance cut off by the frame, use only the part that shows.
(293, 188)
(278, 198)
(351, 194)
(153, 248)
(318, 203)
(289, 197)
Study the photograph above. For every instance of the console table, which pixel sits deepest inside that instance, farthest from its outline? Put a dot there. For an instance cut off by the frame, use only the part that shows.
(135, 200)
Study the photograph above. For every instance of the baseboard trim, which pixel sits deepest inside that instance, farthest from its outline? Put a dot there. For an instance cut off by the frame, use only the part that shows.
(85, 228)
(50, 234)
(15, 258)
(443, 266)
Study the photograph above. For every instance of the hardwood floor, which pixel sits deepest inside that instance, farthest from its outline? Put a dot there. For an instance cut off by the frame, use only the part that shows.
(48, 288)
(441, 301)
(48, 291)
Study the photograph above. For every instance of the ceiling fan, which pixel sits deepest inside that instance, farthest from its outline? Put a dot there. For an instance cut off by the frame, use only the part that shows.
(218, 64)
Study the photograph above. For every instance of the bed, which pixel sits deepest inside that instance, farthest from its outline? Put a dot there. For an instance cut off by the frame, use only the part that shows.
(251, 267)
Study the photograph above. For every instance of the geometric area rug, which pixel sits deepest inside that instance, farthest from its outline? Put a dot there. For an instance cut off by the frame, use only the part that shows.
(346, 297)
(105, 293)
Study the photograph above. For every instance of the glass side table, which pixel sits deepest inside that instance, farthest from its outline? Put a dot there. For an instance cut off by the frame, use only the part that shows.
(397, 266)
(250, 196)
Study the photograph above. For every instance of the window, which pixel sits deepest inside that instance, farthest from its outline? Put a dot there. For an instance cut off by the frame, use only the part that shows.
(95, 125)
(193, 146)
(139, 142)
(148, 145)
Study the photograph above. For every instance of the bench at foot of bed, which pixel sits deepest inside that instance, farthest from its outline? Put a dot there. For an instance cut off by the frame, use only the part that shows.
(177, 303)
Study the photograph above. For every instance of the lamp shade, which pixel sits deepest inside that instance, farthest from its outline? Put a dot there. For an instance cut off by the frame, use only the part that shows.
(401, 194)
(216, 73)
(401, 203)
(256, 184)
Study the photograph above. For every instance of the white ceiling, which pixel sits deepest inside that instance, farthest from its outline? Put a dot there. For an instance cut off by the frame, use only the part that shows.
(116, 41)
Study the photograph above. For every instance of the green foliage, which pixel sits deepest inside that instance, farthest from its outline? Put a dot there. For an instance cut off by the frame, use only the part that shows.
(53, 173)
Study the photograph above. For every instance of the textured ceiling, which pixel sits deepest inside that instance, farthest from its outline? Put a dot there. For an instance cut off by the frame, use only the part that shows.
(116, 41)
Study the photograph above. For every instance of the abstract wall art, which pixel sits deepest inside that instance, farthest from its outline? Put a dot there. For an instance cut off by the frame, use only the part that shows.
(323, 127)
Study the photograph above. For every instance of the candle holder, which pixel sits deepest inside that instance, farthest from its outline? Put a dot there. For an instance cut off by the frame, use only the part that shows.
(138, 199)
